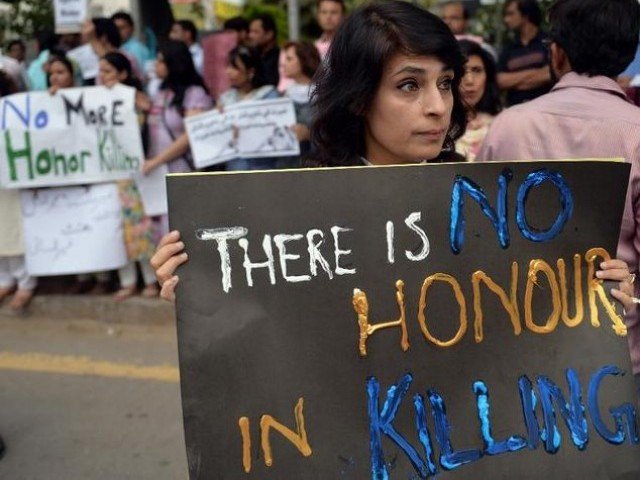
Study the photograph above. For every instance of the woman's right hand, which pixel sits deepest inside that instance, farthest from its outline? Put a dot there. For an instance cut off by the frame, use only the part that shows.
(168, 257)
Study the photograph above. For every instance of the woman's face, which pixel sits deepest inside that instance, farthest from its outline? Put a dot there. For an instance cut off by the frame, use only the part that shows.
(59, 75)
(162, 71)
(474, 82)
(109, 76)
(292, 68)
(409, 117)
(238, 74)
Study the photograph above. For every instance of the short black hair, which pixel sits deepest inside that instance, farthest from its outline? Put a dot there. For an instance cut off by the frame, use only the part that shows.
(339, 2)
(189, 26)
(46, 39)
(529, 9)
(122, 15)
(239, 24)
(250, 59)
(268, 23)
(16, 41)
(599, 37)
(105, 27)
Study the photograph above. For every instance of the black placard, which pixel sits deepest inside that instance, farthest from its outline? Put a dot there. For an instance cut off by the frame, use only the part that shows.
(288, 352)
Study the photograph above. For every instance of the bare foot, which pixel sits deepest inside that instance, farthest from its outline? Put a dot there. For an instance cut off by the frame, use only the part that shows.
(124, 293)
(20, 300)
(5, 292)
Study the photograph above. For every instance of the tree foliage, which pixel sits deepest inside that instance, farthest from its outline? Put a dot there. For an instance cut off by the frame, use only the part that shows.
(27, 17)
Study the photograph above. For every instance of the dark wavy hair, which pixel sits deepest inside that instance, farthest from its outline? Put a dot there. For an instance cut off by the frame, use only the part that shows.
(348, 79)
(122, 64)
(250, 59)
(490, 101)
(308, 56)
(599, 37)
(529, 9)
(182, 73)
(106, 27)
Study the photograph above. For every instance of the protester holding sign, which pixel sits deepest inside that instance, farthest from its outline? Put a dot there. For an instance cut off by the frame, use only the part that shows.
(13, 272)
(61, 73)
(301, 62)
(138, 228)
(182, 94)
(248, 83)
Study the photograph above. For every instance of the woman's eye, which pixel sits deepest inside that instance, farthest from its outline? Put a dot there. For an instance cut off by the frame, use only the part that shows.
(445, 84)
(409, 87)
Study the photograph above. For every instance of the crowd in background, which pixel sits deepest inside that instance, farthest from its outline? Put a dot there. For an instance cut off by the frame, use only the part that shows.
(170, 79)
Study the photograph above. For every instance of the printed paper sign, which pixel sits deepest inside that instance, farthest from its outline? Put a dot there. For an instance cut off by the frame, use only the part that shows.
(245, 130)
(69, 15)
(407, 322)
(73, 230)
(77, 136)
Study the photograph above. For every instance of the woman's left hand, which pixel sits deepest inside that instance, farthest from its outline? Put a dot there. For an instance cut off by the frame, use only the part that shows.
(618, 270)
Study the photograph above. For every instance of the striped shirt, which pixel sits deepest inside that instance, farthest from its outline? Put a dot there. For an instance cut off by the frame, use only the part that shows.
(582, 117)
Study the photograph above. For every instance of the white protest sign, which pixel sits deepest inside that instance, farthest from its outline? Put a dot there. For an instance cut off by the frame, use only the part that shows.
(69, 15)
(153, 190)
(245, 130)
(86, 59)
(77, 136)
(73, 230)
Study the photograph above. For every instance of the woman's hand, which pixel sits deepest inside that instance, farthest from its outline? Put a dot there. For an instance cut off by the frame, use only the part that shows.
(150, 165)
(53, 90)
(302, 132)
(618, 270)
(143, 102)
(168, 257)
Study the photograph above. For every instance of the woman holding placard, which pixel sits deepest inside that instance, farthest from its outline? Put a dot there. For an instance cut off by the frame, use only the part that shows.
(387, 94)
(138, 228)
(13, 272)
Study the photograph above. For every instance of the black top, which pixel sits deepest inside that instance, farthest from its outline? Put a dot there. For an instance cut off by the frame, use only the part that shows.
(516, 57)
(270, 66)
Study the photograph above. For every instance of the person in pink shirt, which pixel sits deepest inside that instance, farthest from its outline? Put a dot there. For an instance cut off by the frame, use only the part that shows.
(329, 16)
(586, 115)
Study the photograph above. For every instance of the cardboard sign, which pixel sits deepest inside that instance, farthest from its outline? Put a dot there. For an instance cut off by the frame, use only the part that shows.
(404, 322)
(153, 190)
(77, 136)
(73, 230)
(245, 130)
(69, 15)
(87, 60)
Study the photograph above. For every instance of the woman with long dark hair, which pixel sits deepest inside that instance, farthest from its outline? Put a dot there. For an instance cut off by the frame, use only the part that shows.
(182, 93)
(481, 95)
(387, 93)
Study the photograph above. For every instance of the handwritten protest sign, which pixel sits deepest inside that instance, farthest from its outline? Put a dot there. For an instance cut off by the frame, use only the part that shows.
(404, 322)
(245, 130)
(69, 15)
(77, 136)
(73, 230)
(86, 59)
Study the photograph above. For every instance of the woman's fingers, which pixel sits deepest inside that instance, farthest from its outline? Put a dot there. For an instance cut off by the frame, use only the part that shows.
(624, 298)
(614, 270)
(168, 291)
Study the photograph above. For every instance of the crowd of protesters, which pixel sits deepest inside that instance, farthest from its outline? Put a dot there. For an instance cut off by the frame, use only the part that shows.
(171, 85)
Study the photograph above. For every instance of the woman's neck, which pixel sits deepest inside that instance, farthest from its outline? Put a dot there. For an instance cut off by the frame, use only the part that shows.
(301, 79)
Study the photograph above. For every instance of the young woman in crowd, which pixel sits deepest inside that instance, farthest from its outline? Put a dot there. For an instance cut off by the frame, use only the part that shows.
(61, 73)
(248, 83)
(138, 228)
(481, 96)
(389, 94)
(13, 273)
(301, 60)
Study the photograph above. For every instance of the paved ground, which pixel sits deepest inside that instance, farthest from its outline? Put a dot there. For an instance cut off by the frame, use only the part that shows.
(89, 400)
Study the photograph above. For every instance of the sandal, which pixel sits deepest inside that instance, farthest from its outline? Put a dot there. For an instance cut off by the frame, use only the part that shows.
(20, 300)
(124, 293)
(150, 291)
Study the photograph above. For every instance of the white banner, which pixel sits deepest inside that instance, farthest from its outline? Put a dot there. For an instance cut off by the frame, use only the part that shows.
(77, 136)
(69, 15)
(245, 130)
(73, 230)
(153, 190)
(86, 59)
